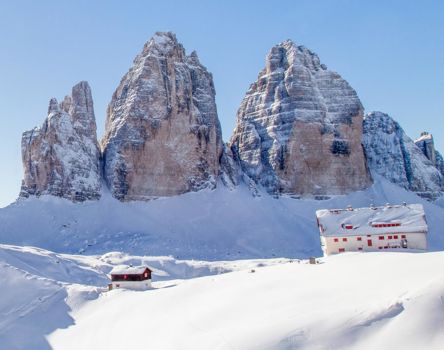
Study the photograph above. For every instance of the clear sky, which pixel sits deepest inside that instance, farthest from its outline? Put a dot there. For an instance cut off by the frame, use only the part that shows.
(391, 52)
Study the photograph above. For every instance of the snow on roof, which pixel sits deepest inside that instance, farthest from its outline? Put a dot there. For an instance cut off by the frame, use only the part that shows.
(374, 220)
(128, 270)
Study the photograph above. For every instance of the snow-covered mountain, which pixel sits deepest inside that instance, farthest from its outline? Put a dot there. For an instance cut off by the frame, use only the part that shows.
(225, 254)
(163, 135)
(299, 132)
(394, 155)
(299, 127)
(62, 157)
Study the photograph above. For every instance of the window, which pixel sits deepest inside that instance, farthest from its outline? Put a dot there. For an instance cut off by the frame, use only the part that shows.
(359, 248)
(381, 238)
(387, 225)
(390, 237)
(380, 247)
(344, 240)
(403, 236)
(341, 250)
(395, 236)
(336, 240)
(126, 277)
(359, 238)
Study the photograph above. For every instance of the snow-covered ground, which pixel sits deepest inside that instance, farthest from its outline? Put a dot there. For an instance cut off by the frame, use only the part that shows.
(387, 300)
(40, 288)
(207, 225)
(351, 301)
(202, 248)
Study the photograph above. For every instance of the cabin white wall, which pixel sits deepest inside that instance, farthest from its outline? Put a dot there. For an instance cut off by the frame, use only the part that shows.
(414, 241)
(134, 285)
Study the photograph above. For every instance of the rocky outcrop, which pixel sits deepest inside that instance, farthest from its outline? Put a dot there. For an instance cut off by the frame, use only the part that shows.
(163, 135)
(427, 146)
(299, 127)
(393, 155)
(440, 163)
(62, 157)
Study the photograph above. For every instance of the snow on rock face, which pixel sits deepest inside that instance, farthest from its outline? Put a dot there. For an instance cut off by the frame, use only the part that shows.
(427, 146)
(163, 135)
(299, 127)
(62, 157)
(440, 162)
(392, 154)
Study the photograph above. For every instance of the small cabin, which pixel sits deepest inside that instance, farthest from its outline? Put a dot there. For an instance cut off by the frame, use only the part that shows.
(373, 228)
(131, 277)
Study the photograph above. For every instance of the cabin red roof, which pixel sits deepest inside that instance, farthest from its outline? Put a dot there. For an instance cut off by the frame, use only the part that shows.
(129, 270)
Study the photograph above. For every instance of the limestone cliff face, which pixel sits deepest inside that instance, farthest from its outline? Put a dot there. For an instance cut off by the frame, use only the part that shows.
(427, 146)
(62, 157)
(163, 135)
(393, 155)
(299, 127)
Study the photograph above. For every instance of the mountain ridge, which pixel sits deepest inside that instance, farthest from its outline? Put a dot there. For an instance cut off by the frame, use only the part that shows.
(299, 132)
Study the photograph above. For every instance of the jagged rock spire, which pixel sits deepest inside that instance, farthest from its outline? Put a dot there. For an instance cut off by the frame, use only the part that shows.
(62, 158)
(163, 135)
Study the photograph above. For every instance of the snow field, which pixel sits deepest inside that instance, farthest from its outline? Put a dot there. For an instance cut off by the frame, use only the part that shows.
(207, 225)
(202, 248)
(350, 301)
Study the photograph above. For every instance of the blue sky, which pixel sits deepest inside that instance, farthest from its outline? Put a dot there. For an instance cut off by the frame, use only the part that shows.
(391, 52)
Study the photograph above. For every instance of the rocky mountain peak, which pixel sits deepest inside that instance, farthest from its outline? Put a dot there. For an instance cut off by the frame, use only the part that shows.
(393, 155)
(62, 158)
(163, 135)
(426, 144)
(289, 53)
(299, 127)
(53, 106)
(163, 44)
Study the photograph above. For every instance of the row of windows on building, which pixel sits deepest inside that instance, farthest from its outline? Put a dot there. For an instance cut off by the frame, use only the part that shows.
(377, 225)
(342, 250)
(381, 238)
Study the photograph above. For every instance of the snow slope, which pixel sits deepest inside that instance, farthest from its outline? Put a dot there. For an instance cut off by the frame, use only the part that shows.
(205, 225)
(39, 288)
(57, 299)
(350, 301)
(440, 201)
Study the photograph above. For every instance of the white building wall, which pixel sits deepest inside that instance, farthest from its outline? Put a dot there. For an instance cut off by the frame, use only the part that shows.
(134, 285)
(417, 240)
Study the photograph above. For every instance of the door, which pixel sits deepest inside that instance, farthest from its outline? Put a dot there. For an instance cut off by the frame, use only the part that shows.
(369, 242)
